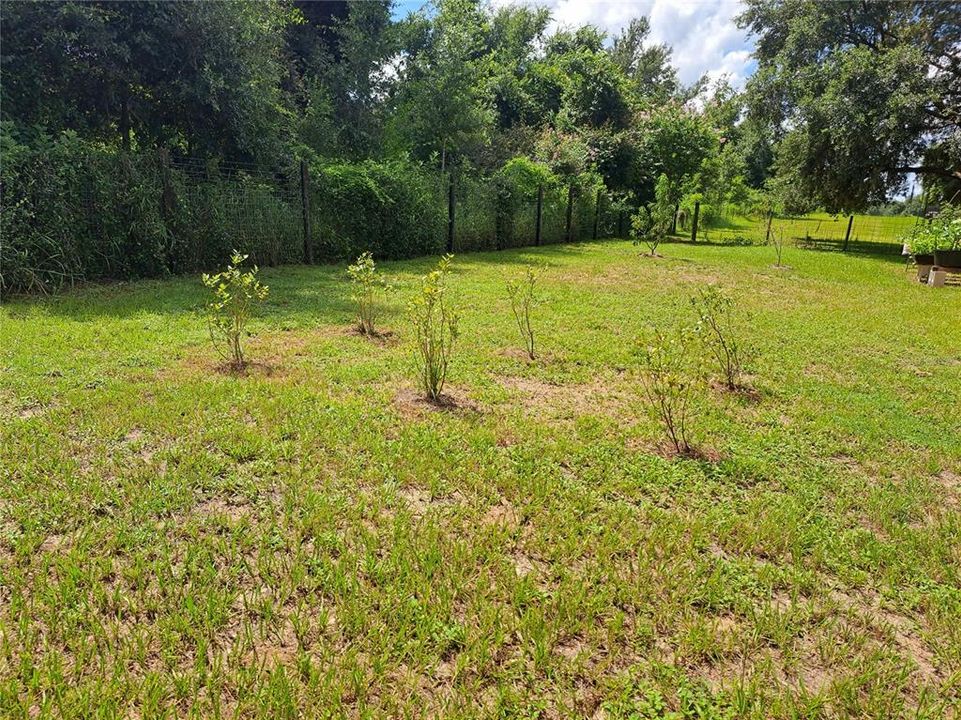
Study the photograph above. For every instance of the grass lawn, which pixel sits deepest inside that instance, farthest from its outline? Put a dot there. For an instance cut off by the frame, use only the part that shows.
(311, 540)
(872, 233)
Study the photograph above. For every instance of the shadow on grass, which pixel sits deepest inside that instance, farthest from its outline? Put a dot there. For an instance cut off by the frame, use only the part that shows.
(297, 292)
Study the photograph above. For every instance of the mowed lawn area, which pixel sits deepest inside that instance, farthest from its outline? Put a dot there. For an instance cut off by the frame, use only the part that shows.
(311, 540)
(875, 233)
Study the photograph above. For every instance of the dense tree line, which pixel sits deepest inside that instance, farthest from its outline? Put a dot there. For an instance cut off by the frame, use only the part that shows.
(849, 97)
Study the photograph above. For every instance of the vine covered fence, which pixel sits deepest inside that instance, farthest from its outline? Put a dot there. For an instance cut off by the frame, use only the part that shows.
(72, 213)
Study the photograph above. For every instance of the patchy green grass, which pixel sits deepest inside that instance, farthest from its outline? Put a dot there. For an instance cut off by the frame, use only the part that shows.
(311, 540)
(871, 233)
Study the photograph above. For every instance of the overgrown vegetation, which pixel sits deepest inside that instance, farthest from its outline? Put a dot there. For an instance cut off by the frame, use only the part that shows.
(435, 323)
(235, 296)
(522, 293)
(368, 283)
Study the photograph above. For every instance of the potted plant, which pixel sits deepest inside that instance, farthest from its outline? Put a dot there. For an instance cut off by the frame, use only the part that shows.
(947, 251)
(937, 242)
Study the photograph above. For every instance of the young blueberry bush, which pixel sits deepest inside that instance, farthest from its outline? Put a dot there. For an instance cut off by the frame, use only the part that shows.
(368, 284)
(435, 325)
(670, 377)
(716, 328)
(523, 296)
(235, 295)
(651, 224)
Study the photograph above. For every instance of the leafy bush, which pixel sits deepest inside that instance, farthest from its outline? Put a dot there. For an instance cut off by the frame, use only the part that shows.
(76, 210)
(670, 376)
(394, 209)
(523, 298)
(652, 223)
(367, 283)
(717, 331)
(940, 233)
(435, 325)
(235, 294)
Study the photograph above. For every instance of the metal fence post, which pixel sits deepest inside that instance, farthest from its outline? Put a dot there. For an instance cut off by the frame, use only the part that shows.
(697, 211)
(305, 210)
(570, 207)
(767, 235)
(540, 208)
(847, 235)
(597, 210)
(450, 214)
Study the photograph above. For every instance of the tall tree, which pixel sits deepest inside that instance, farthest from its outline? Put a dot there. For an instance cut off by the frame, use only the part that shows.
(442, 106)
(862, 93)
(339, 52)
(648, 66)
(202, 75)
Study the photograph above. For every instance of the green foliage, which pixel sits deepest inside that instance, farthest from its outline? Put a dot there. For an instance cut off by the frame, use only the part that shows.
(940, 233)
(235, 295)
(523, 296)
(106, 72)
(368, 282)
(717, 329)
(670, 377)
(651, 224)
(393, 209)
(860, 92)
(435, 327)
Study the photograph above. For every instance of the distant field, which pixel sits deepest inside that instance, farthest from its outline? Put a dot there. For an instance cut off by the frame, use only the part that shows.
(312, 541)
(868, 232)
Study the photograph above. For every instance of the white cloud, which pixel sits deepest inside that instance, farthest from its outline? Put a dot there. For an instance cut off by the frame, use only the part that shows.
(703, 33)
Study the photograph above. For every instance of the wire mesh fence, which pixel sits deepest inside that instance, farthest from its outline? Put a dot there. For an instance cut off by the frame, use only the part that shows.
(848, 233)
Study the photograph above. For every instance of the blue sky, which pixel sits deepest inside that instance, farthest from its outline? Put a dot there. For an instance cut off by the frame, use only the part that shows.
(702, 32)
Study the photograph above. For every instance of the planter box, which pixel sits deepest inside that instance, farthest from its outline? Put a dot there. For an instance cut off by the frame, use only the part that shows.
(947, 258)
(924, 259)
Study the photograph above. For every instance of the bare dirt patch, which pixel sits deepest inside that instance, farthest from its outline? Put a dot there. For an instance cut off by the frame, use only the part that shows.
(598, 397)
(414, 405)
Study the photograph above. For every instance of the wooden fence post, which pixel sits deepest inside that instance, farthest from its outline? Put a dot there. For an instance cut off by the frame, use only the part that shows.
(540, 209)
(450, 214)
(305, 210)
(767, 235)
(847, 235)
(697, 211)
(597, 211)
(570, 207)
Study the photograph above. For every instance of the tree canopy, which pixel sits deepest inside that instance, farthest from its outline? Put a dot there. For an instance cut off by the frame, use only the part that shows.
(858, 94)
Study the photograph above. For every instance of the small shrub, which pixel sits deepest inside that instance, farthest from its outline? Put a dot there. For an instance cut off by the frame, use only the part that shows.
(235, 294)
(651, 224)
(777, 240)
(670, 376)
(522, 294)
(716, 329)
(435, 325)
(368, 282)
